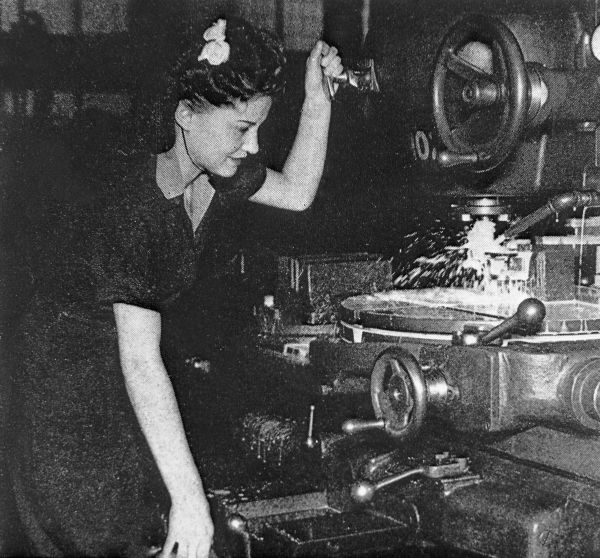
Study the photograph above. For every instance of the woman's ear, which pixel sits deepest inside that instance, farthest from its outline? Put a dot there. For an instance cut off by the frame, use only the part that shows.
(183, 115)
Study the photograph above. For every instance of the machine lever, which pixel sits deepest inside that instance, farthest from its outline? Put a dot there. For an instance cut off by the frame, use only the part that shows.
(311, 441)
(448, 159)
(238, 524)
(354, 426)
(445, 467)
(530, 314)
(364, 79)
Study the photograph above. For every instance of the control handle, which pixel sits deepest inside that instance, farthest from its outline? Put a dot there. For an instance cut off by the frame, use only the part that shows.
(529, 315)
(445, 466)
(354, 426)
(238, 524)
(364, 79)
(447, 159)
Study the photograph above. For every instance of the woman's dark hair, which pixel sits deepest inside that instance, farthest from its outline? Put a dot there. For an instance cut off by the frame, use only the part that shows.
(254, 67)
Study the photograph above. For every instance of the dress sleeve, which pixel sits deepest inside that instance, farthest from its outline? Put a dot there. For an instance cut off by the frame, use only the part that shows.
(248, 179)
(125, 265)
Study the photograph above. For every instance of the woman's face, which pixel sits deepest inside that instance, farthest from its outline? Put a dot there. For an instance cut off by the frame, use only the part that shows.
(218, 138)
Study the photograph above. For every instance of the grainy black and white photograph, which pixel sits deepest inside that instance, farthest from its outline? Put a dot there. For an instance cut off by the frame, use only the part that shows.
(300, 278)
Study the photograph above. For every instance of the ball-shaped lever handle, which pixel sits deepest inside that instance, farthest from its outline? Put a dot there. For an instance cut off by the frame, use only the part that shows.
(238, 524)
(531, 312)
(363, 491)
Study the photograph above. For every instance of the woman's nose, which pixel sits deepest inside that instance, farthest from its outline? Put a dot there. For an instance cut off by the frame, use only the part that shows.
(250, 144)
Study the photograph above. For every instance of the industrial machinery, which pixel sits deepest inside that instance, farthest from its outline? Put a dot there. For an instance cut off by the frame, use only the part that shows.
(452, 421)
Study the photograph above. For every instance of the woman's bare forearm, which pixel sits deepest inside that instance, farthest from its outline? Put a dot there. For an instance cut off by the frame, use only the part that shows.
(304, 165)
(153, 399)
(156, 409)
(295, 187)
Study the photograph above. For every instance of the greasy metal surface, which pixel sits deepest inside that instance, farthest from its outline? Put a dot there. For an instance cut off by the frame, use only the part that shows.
(556, 449)
(305, 525)
(285, 505)
(446, 310)
(346, 534)
(508, 388)
(525, 506)
(518, 505)
(517, 511)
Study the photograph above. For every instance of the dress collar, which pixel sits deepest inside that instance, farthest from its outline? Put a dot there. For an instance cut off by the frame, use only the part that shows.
(168, 175)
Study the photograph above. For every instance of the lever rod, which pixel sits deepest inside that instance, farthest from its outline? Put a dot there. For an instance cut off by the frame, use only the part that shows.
(447, 159)
(354, 426)
(364, 491)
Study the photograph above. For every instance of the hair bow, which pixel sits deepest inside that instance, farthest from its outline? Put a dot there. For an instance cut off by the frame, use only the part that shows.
(216, 49)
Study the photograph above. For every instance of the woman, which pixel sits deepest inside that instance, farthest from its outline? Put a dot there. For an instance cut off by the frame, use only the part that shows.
(101, 451)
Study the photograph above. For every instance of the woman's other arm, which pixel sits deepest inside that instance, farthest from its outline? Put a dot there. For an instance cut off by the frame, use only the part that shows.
(157, 412)
(295, 187)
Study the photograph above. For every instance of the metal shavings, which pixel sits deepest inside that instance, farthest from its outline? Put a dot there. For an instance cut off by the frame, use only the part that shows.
(269, 439)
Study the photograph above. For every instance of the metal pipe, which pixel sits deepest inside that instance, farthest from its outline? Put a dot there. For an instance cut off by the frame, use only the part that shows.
(541, 162)
(560, 202)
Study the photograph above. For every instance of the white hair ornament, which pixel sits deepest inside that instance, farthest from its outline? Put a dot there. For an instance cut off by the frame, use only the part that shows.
(216, 50)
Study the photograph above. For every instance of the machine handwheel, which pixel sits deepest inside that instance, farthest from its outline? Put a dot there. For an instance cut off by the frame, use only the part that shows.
(399, 392)
(480, 92)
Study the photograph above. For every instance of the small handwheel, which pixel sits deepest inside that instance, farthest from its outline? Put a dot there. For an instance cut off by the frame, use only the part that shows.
(399, 392)
(480, 93)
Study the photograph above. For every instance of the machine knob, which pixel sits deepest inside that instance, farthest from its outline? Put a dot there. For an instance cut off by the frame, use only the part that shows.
(354, 426)
(530, 314)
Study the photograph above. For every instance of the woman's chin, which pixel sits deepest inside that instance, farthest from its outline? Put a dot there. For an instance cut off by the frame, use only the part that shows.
(228, 169)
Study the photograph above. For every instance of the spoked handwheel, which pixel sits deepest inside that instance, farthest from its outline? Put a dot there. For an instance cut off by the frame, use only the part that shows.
(480, 93)
(398, 393)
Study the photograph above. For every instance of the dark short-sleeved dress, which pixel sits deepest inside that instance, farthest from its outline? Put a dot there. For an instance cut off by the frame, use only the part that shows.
(84, 480)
